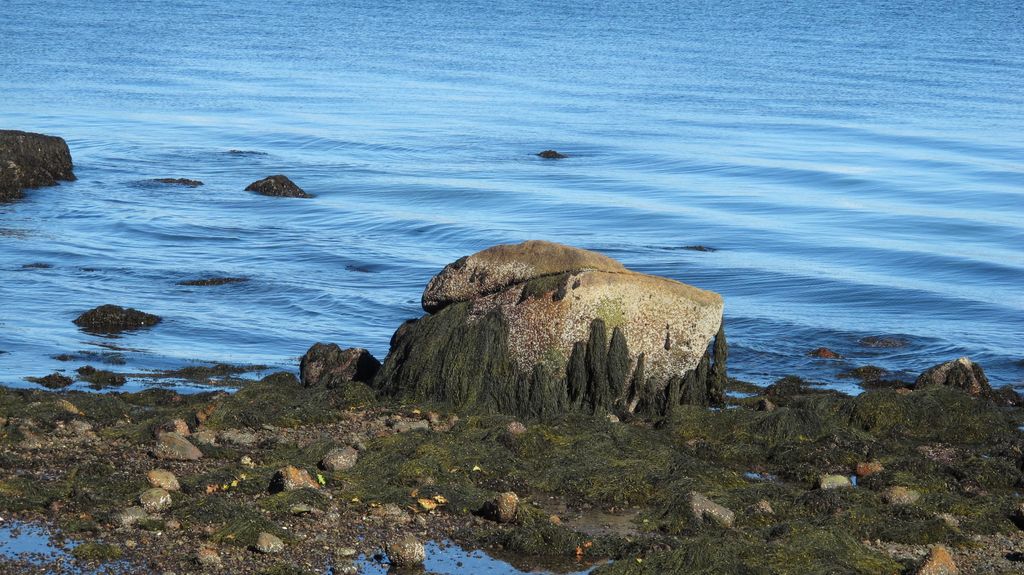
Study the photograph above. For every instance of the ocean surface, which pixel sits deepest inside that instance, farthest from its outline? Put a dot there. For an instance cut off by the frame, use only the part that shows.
(858, 169)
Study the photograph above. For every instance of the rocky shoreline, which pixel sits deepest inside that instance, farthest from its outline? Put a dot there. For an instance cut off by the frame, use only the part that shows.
(552, 407)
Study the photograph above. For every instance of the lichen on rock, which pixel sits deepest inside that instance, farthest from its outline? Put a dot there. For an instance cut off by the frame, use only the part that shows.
(538, 329)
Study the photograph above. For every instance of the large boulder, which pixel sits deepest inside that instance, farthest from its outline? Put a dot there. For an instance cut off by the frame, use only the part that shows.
(538, 328)
(30, 160)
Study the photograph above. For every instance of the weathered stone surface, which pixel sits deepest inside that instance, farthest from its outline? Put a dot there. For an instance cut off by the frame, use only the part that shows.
(961, 373)
(277, 186)
(703, 509)
(112, 319)
(131, 516)
(868, 468)
(163, 479)
(405, 551)
(155, 500)
(899, 495)
(506, 506)
(340, 459)
(939, 562)
(538, 329)
(174, 447)
(29, 160)
(291, 478)
(327, 365)
(834, 482)
(269, 543)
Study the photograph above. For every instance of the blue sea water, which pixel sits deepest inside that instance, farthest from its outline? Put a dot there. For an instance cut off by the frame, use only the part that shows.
(858, 166)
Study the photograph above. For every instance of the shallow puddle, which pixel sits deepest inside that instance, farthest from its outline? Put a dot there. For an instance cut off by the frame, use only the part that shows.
(450, 559)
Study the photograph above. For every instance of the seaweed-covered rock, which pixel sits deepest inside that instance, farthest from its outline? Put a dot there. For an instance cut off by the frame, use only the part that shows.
(327, 365)
(112, 319)
(961, 373)
(29, 160)
(537, 329)
(277, 186)
(53, 381)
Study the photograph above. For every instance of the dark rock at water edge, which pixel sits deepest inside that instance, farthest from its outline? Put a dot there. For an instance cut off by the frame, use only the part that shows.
(825, 353)
(29, 160)
(179, 182)
(551, 155)
(964, 374)
(37, 266)
(52, 381)
(327, 365)
(883, 341)
(101, 378)
(278, 186)
(112, 319)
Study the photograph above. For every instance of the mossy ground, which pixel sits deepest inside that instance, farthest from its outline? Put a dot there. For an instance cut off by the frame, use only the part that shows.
(963, 455)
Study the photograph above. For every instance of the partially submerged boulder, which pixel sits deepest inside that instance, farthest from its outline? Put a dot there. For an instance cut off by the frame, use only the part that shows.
(327, 365)
(277, 186)
(538, 328)
(961, 373)
(112, 319)
(29, 160)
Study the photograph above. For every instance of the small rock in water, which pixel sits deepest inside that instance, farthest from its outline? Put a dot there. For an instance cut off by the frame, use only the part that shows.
(173, 446)
(163, 479)
(291, 478)
(212, 281)
(112, 319)
(705, 510)
(179, 182)
(340, 459)
(939, 562)
(53, 381)
(884, 341)
(551, 155)
(834, 482)
(405, 551)
(825, 353)
(899, 495)
(269, 543)
(278, 186)
(155, 500)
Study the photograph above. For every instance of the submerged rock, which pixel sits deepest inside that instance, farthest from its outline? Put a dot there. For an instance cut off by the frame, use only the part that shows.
(327, 365)
(218, 281)
(112, 319)
(53, 381)
(825, 353)
(538, 328)
(277, 186)
(179, 182)
(29, 160)
(551, 155)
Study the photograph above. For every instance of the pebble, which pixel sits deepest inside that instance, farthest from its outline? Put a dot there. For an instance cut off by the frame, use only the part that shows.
(208, 557)
(407, 426)
(340, 459)
(163, 479)
(131, 516)
(939, 562)
(291, 478)
(406, 551)
(155, 500)
(269, 543)
(506, 507)
(205, 437)
(762, 507)
(173, 446)
(704, 509)
(867, 468)
(515, 428)
(834, 482)
(898, 495)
